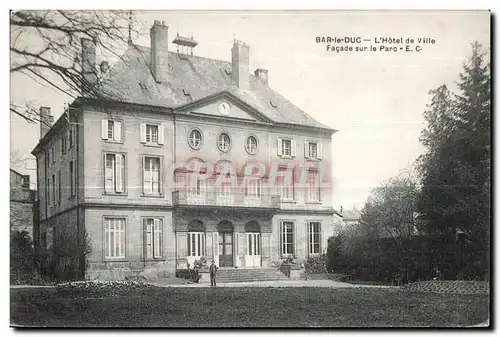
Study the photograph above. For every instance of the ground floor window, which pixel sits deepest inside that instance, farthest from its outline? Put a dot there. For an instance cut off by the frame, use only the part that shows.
(196, 244)
(114, 238)
(153, 237)
(314, 237)
(287, 238)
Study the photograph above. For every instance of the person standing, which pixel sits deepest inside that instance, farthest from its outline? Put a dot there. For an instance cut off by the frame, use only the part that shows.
(213, 274)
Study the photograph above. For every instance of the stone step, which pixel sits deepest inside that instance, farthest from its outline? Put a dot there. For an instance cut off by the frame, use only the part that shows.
(249, 275)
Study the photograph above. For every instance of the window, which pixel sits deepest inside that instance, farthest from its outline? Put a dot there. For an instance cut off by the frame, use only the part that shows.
(312, 150)
(286, 147)
(151, 175)
(313, 186)
(224, 142)
(48, 191)
(71, 136)
(287, 238)
(152, 134)
(111, 130)
(114, 173)
(114, 238)
(195, 139)
(153, 238)
(59, 187)
(314, 230)
(196, 244)
(71, 178)
(251, 144)
(63, 143)
(53, 189)
(285, 182)
(252, 187)
(53, 153)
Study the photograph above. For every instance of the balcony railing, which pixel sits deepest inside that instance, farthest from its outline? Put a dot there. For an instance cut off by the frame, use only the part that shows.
(211, 198)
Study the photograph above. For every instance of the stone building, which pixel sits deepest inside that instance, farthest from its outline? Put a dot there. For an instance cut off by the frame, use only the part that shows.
(190, 157)
(22, 203)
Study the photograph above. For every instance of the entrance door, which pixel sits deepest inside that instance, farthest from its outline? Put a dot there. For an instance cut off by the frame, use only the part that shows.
(252, 254)
(225, 249)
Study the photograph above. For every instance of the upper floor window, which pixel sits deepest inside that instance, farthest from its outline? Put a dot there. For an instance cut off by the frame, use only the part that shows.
(224, 142)
(195, 139)
(53, 153)
(114, 173)
(72, 178)
(312, 150)
(286, 147)
(285, 183)
(63, 143)
(111, 130)
(151, 176)
(71, 136)
(252, 187)
(152, 134)
(251, 144)
(313, 186)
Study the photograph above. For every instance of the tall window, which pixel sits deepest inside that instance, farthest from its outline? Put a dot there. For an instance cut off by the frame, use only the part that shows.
(71, 178)
(53, 153)
(114, 173)
(53, 189)
(313, 186)
(59, 187)
(287, 238)
(114, 238)
(153, 237)
(196, 244)
(151, 175)
(285, 182)
(252, 187)
(224, 142)
(251, 145)
(152, 134)
(63, 143)
(71, 135)
(314, 237)
(47, 188)
(195, 139)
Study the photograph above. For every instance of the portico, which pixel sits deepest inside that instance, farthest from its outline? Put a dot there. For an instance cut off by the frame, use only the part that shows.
(231, 238)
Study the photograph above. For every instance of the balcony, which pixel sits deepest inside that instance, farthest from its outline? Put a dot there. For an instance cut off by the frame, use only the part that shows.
(214, 199)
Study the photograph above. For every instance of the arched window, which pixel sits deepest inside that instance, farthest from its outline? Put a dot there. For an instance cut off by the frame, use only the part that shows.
(196, 239)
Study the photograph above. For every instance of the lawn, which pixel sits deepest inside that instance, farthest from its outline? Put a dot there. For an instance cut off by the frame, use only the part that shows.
(248, 307)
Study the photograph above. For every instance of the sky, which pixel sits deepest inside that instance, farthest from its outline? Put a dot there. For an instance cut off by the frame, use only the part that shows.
(375, 99)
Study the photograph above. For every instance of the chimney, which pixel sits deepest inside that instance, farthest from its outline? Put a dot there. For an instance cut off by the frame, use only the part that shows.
(46, 120)
(241, 65)
(88, 65)
(261, 74)
(159, 51)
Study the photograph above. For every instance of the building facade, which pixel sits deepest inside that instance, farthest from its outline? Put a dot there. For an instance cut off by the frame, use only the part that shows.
(193, 157)
(22, 203)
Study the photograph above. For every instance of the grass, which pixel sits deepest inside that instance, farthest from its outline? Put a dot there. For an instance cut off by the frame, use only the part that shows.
(248, 307)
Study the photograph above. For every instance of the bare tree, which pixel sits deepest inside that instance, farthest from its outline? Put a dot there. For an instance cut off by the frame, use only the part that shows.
(46, 47)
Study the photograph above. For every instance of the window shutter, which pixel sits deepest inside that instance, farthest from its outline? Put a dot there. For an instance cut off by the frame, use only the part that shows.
(143, 132)
(308, 237)
(293, 148)
(320, 150)
(216, 244)
(306, 150)
(161, 135)
(143, 170)
(119, 174)
(157, 239)
(108, 175)
(118, 131)
(281, 238)
(104, 129)
(321, 245)
(280, 144)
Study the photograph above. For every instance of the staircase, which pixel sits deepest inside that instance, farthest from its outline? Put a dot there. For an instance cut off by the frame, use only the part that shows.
(250, 275)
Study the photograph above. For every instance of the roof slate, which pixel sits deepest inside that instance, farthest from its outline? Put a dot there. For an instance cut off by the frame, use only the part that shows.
(192, 78)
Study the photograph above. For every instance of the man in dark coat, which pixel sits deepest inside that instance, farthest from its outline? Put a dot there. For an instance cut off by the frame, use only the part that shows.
(213, 274)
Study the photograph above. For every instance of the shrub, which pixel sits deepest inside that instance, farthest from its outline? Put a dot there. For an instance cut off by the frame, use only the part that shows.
(104, 288)
(316, 264)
